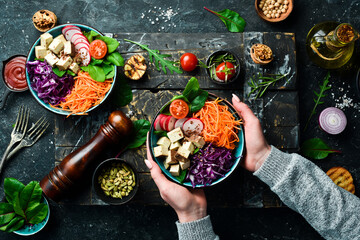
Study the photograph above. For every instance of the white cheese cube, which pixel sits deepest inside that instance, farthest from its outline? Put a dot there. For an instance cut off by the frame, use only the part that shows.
(182, 154)
(69, 48)
(175, 146)
(175, 170)
(184, 165)
(160, 151)
(40, 52)
(45, 40)
(175, 135)
(61, 38)
(74, 67)
(189, 146)
(64, 63)
(171, 157)
(164, 141)
(51, 59)
(56, 46)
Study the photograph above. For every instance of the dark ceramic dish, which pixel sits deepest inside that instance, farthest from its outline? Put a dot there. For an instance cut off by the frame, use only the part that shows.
(237, 64)
(99, 191)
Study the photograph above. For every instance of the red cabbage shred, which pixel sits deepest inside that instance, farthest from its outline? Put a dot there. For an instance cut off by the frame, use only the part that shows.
(50, 87)
(209, 164)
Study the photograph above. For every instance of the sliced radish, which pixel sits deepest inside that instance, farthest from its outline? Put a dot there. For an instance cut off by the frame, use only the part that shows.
(81, 40)
(193, 126)
(157, 124)
(85, 56)
(76, 36)
(81, 45)
(68, 27)
(162, 122)
(70, 33)
(171, 124)
(179, 123)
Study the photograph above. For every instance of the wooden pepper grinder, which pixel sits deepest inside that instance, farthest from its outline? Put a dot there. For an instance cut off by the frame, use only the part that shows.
(72, 169)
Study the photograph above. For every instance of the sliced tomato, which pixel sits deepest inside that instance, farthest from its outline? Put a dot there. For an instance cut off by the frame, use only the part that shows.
(179, 108)
(98, 49)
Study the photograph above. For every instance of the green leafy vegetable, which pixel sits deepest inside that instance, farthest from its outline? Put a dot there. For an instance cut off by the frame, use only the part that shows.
(182, 176)
(58, 72)
(141, 128)
(111, 43)
(161, 133)
(70, 73)
(316, 148)
(259, 83)
(157, 58)
(122, 94)
(23, 205)
(97, 73)
(231, 19)
(199, 101)
(91, 35)
(191, 89)
(39, 59)
(116, 59)
(319, 95)
(96, 61)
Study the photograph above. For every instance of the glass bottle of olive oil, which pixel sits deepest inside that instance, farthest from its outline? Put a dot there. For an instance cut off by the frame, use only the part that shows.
(330, 44)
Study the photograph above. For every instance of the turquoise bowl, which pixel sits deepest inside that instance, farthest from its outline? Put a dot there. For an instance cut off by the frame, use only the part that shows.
(31, 57)
(28, 230)
(237, 152)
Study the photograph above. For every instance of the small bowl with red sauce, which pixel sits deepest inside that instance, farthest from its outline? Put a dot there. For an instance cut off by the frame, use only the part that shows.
(14, 76)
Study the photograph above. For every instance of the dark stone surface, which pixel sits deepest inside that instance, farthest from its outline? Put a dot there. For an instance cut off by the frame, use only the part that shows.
(128, 222)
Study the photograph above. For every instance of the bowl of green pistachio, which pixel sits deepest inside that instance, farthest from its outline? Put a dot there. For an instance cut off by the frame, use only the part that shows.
(115, 181)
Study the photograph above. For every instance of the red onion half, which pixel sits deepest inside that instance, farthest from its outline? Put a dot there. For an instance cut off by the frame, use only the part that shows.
(332, 120)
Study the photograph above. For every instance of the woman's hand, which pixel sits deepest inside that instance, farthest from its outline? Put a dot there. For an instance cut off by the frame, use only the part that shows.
(189, 204)
(257, 149)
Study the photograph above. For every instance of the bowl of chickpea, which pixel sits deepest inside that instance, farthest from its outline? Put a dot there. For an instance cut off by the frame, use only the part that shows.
(274, 10)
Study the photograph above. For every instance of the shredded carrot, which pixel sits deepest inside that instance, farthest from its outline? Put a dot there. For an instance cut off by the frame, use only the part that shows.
(220, 126)
(85, 94)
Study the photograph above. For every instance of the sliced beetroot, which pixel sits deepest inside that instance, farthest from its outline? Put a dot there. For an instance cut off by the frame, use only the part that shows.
(193, 126)
(179, 123)
(171, 124)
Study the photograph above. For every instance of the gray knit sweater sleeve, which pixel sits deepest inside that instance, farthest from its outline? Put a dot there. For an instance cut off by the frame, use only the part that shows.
(304, 187)
(197, 230)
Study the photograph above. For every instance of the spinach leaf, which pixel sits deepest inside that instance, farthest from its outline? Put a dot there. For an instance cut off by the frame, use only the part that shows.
(182, 176)
(12, 188)
(70, 73)
(110, 74)
(122, 94)
(17, 206)
(39, 59)
(116, 59)
(58, 72)
(191, 89)
(30, 195)
(231, 19)
(14, 224)
(141, 128)
(96, 61)
(97, 73)
(37, 213)
(316, 148)
(111, 43)
(199, 101)
(161, 133)
(107, 68)
(6, 213)
(90, 35)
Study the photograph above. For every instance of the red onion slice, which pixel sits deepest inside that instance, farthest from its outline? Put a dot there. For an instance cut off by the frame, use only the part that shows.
(332, 120)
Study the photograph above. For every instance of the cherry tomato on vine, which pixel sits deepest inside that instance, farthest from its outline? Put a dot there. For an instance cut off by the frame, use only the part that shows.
(225, 71)
(179, 109)
(98, 49)
(188, 62)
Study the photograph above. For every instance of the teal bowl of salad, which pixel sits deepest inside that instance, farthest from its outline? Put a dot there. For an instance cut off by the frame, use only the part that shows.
(52, 75)
(209, 164)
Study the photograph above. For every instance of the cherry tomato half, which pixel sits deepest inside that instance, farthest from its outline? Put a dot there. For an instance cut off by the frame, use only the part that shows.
(179, 108)
(98, 49)
(225, 71)
(188, 62)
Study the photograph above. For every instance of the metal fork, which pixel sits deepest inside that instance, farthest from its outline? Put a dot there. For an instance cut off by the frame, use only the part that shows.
(32, 135)
(18, 132)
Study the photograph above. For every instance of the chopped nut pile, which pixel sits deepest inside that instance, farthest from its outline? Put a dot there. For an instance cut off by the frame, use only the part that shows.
(261, 53)
(274, 8)
(44, 20)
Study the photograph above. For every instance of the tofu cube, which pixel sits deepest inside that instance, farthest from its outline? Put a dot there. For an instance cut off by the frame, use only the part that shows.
(189, 146)
(184, 165)
(197, 140)
(166, 165)
(175, 146)
(74, 67)
(45, 40)
(160, 151)
(61, 38)
(164, 141)
(64, 62)
(175, 135)
(182, 154)
(40, 52)
(171, 158)
(51, 59)
(56, 46)
(175, 170)
(69, 48)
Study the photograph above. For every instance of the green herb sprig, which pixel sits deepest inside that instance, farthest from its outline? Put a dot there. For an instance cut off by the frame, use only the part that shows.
(324, 87)
(316, 148)
(23, 205)
(260, 83)
(157, 58)
(231, 19)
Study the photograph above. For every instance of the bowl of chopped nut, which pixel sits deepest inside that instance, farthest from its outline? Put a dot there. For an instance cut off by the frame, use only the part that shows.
(115, 181)
(261, 54)
(274, 10)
